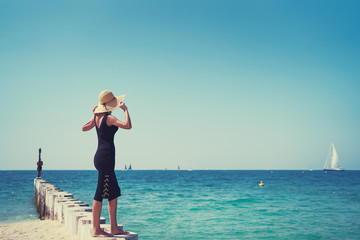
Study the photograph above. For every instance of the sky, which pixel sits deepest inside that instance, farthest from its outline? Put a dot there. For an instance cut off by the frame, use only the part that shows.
(209, 84)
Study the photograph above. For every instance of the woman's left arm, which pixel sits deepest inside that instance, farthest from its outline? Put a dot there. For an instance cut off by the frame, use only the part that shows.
(111, 120)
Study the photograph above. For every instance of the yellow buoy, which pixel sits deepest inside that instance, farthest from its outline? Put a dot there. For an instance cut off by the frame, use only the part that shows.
(261, 184)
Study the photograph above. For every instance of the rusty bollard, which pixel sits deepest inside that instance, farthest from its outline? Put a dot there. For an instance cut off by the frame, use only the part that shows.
(39, 164)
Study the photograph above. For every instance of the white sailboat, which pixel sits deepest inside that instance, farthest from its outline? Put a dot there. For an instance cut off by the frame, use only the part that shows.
(332, 160)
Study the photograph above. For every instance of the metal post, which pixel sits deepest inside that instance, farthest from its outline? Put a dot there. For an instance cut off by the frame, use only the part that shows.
(39, 164)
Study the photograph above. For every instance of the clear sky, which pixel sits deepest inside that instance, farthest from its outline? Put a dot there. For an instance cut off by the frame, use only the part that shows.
(209, 84)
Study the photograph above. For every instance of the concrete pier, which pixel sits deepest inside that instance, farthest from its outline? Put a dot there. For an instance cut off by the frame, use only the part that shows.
(54, 204)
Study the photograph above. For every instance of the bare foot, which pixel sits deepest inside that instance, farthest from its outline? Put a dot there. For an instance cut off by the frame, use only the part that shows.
(100, 233)
(118, 231)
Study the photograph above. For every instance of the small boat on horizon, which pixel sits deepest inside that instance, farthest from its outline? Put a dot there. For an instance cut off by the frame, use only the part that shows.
(332, 160)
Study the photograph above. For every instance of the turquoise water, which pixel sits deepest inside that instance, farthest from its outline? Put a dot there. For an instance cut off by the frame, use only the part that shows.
(210, 204)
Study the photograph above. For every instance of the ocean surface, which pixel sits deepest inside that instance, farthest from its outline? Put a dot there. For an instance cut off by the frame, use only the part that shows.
(209, 204)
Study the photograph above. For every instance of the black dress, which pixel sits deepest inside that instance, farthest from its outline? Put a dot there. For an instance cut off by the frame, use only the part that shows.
(104, 162)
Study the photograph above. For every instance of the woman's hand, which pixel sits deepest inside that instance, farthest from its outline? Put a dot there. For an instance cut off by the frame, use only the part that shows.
(94, 107)
(122, 106)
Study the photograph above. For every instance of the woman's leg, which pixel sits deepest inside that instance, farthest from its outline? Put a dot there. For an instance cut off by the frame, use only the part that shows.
(96, 211)
(114, 229)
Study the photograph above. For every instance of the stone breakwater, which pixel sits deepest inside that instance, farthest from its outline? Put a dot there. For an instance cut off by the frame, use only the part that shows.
(54, 204)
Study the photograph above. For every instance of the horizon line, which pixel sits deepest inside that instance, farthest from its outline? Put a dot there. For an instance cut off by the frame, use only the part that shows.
(177, 170)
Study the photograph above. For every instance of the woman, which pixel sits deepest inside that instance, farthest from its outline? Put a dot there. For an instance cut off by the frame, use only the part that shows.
(104, 160)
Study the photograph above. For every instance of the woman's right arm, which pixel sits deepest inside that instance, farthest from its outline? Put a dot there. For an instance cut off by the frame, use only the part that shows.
(90, 124)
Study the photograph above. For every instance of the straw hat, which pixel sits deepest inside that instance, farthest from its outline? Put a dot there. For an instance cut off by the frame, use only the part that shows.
(108, 102)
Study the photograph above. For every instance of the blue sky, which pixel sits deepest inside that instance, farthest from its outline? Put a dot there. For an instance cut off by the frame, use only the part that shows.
(209, 84)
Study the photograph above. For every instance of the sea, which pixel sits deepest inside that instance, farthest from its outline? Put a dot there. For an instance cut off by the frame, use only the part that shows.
(209, 204)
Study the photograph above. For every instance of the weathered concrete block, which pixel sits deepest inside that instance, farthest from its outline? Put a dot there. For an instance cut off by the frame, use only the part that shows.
(37, 182)
(73, 225)
(59, 207)
(51, 198)
(58, 198)
(50, 190)
(85, 226)
(85, 230)
(72, 215)
(65, 206)
(42, 197)
(37, 196)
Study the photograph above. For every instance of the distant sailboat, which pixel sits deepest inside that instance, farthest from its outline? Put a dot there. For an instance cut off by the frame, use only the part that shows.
(125, 167)
(332, 160)
(130, 168)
